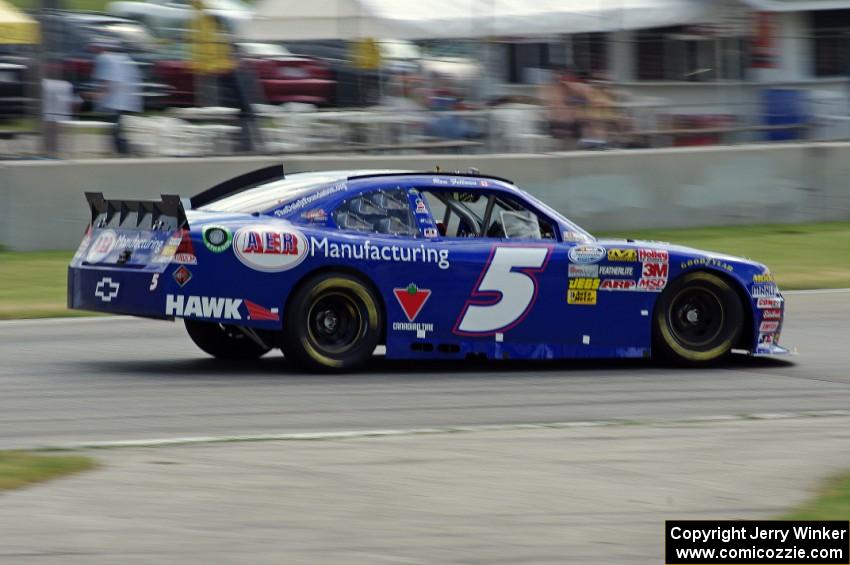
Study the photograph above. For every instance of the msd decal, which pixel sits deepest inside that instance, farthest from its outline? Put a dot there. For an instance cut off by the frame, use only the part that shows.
(411, 299)
(269, 249)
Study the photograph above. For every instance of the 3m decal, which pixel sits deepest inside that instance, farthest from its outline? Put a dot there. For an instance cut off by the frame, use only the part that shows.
(102, 246)
(626, 255)
(584, 271)
(182, 275)
(216, 238)
(581, 297)
(269, 249)
(584, 284)
(411, 299)
(505, 292)
(655, 270)
(586, 254)
(106, 289)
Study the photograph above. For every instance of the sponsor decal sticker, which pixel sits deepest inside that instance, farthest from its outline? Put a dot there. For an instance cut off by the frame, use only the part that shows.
(106, 289)
(766, 277)
(768, 327)
(269, 248)
(369, 251)
(307, 200)
(430, 232)
(102, 246)
(411, 299)
(618, 284)
(420, 206)
(216, 238)
(581, 297)
(771, 314)
(626, 255)
(652, 285)
(616, 271)
(769, 303)
(764, 290)
(584, 284)
(655, 270)
(706, 262)
(182, 275)
(653, 255)
(316, 216)
(586, 254)
(202, 307)
(584, 271)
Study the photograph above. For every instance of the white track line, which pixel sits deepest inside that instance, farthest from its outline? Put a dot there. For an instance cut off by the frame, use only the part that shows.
(355, 434)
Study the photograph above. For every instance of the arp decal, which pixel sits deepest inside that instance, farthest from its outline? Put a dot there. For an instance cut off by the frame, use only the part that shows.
(411, 299)
(505, 292)
(618, 284)
(586, 254)
(270, 249)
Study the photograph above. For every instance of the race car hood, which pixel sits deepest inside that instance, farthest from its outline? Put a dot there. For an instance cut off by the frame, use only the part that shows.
(684, 252)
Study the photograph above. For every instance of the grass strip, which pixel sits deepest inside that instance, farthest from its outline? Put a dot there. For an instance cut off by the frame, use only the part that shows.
(19, 469)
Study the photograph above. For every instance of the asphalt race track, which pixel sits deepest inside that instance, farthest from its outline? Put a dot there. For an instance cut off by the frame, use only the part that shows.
(79, 381)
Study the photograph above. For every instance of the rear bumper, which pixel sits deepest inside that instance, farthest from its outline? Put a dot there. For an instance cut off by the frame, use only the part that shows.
(115, 292)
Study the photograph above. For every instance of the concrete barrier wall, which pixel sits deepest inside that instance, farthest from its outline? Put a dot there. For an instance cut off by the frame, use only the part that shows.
(42, 204)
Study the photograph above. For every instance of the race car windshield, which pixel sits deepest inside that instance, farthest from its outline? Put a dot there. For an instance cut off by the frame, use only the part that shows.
(267, 196)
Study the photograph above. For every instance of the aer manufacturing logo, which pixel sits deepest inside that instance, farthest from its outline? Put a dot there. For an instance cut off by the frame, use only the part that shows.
(106, 290)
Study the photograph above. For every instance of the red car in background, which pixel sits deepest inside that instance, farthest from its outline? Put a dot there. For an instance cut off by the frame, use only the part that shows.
(282, 76)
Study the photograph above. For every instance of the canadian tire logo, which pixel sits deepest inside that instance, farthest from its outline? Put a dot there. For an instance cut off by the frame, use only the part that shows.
(411, 299)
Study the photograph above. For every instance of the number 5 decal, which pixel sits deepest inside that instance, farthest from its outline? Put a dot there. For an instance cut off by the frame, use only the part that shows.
(505, 291)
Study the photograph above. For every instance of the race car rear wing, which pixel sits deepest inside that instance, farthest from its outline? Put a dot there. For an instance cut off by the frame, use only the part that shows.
(167, 214)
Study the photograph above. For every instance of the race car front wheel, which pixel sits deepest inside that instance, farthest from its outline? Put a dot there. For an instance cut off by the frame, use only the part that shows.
(698, 319)
(224, 342)
(332, 323)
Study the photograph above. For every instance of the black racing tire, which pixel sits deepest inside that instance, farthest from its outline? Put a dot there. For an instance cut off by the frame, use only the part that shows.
(224, 342)
(698, 318)
(333, 323)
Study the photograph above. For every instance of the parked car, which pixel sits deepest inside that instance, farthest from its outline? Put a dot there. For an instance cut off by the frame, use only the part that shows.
(328, 265)
(77, 33)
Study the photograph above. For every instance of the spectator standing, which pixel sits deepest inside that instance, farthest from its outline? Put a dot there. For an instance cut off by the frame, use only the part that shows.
(118, 82)
(58, 102)
(565, 99)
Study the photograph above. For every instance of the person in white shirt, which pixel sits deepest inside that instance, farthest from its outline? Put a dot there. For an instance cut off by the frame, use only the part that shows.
(119, 83)
(58, 102)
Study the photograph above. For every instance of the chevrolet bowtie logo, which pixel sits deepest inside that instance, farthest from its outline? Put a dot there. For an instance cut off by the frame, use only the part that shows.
(106, 290)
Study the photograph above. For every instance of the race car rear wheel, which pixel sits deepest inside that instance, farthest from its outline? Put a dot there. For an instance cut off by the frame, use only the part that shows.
(224, 342)
(332, 323)
(698, 319)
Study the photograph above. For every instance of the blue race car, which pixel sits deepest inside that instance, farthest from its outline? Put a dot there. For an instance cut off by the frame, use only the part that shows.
(328, 265)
